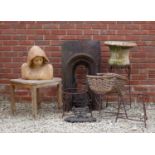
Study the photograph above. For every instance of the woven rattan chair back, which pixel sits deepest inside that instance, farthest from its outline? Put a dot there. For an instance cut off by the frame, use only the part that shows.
(106, 83)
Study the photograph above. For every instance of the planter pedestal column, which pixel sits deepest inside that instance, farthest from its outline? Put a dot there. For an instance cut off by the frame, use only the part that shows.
(119, 57)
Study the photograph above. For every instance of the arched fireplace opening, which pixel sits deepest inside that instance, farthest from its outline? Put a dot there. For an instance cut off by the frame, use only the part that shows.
(79, 75)
(77, 68)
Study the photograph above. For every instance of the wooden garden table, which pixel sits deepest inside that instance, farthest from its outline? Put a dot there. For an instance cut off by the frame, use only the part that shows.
(34, 86)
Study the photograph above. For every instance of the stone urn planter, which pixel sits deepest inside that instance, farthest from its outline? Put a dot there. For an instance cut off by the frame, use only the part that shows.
(119, 52)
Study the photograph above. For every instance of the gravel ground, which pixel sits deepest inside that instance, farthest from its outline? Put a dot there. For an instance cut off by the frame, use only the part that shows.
(50, 121)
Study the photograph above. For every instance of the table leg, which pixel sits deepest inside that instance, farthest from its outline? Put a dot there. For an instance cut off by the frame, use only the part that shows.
(59, 95)
(38, 99)
(13, 104)
(34, 101)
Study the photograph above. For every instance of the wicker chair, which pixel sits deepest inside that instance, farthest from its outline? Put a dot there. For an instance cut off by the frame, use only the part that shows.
(105, 84)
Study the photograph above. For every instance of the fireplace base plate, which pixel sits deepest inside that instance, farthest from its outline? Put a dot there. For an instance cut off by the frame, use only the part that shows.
(80, 115)
(75, 119)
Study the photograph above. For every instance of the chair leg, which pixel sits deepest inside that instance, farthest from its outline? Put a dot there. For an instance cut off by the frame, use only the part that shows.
(89, 100)
(121, 101)
(130, 93)
(144, 109)
(106, 101)
(124, 107)
(145, 115)
(119, 105)
(99, 101)
(100, 104)
(144, 99)
(90, 106)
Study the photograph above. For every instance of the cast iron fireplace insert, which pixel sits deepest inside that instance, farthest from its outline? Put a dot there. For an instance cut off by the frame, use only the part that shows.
(85, 53)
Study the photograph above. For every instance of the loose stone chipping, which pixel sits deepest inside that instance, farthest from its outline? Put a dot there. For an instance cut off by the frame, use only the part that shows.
(51, 121)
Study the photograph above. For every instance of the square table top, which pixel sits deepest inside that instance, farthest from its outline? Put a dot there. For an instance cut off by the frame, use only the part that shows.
(35, 82)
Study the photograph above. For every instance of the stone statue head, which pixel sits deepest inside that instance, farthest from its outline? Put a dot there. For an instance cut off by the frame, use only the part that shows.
(36, 57)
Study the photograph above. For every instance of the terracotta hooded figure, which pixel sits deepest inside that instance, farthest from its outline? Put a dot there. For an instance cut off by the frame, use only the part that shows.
(37, 66)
